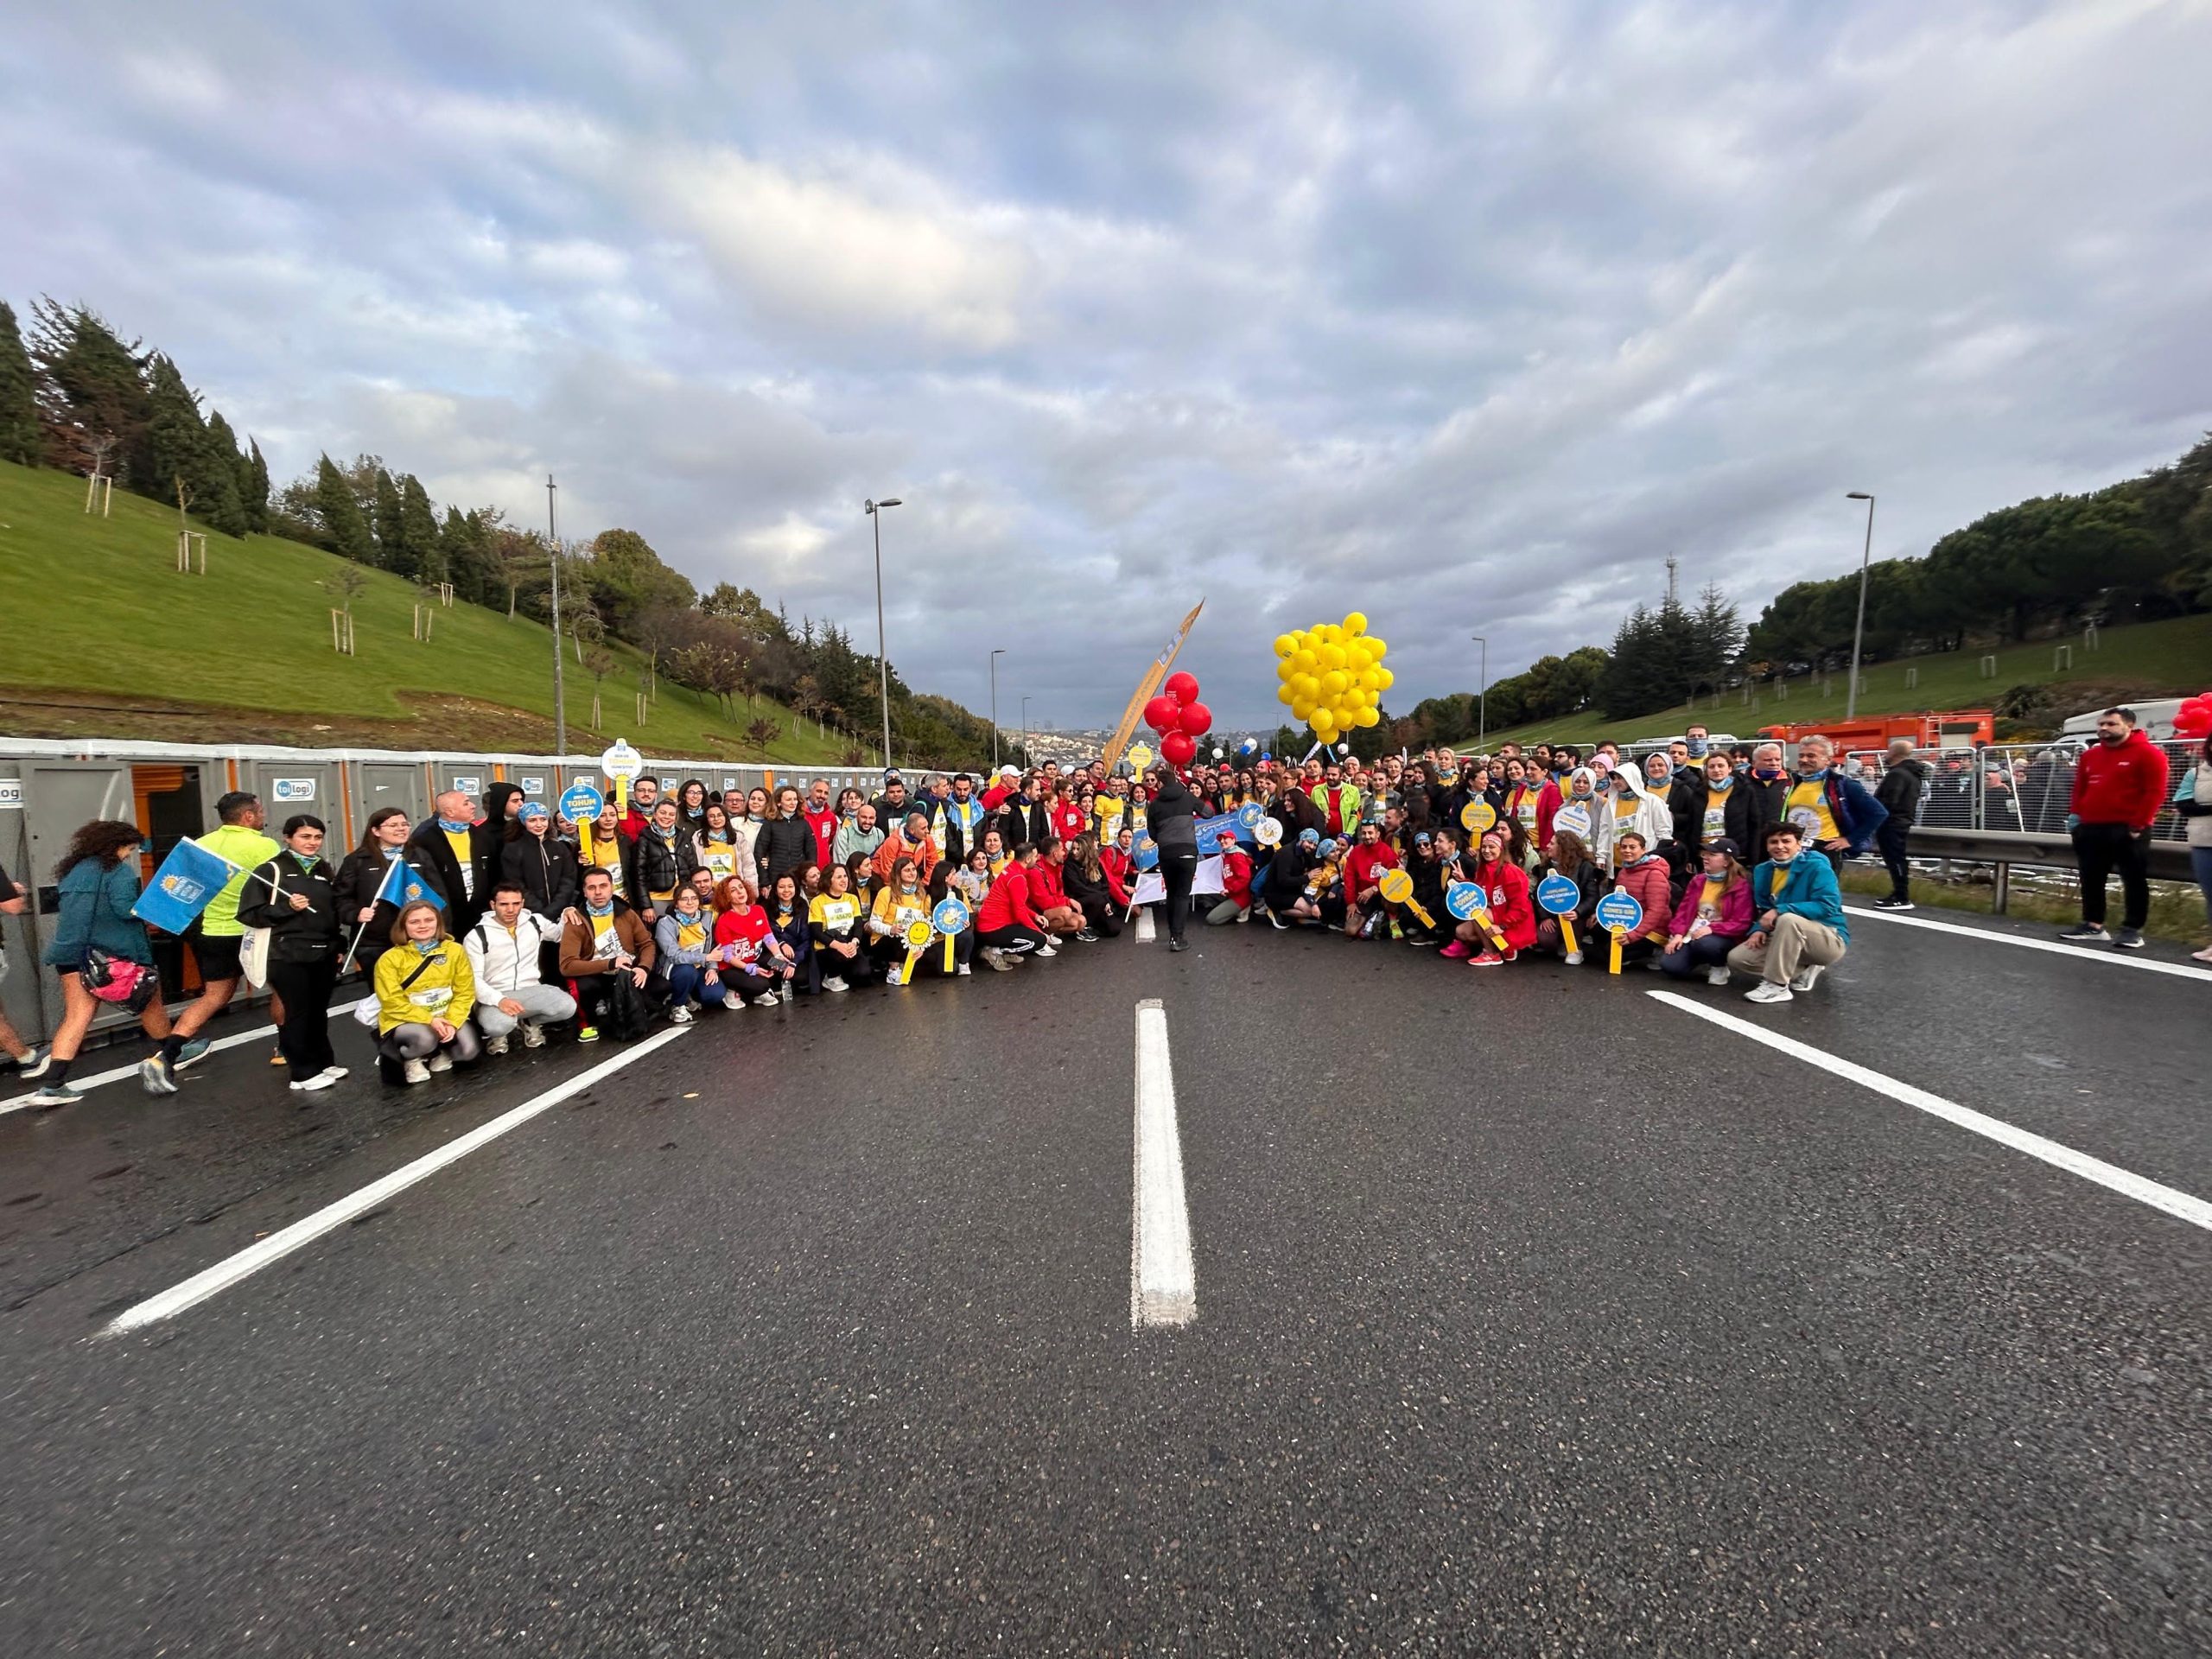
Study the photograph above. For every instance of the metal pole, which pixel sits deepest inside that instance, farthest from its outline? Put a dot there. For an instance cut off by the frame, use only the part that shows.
(1025, 731)
(560, 693)
(1859, 632)
(1482, 695)
(995, 706)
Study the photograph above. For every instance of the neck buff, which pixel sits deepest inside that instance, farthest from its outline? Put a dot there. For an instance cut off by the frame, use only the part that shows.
(607, 909)
(452, 827)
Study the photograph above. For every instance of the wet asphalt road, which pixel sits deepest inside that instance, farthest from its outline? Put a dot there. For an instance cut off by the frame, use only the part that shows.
(1534, 1316)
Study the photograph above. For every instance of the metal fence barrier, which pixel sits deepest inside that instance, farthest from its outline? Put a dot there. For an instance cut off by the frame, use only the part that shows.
(2003, 849)
(2022, 789)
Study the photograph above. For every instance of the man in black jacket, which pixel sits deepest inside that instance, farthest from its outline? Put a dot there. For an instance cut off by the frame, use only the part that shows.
(1172, 819)
(462, 853)
(1902, 785)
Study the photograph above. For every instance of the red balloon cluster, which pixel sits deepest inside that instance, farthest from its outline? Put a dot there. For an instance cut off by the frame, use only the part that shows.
(2194, 717)
(1180, 718)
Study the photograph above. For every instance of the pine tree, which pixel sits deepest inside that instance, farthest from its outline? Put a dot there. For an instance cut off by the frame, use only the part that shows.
(176, 438)
(391, 551)
(418, 532)
(222, 473)
(254, 491)
(20, 440)
(345, 530)
(94, 395)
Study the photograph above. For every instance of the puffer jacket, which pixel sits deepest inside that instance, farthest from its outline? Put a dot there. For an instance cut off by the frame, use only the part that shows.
(1645, 882)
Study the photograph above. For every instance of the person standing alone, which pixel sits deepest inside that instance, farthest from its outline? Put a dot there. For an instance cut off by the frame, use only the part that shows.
(2119, 788)
(1903, 782)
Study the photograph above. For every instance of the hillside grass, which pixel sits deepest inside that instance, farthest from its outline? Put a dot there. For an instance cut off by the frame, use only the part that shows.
(2175, 655)
(96, 605)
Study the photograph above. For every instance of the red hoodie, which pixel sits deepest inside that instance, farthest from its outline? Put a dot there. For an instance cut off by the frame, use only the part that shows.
(2120, 783)
(1236, 878)
(1120, 869)
(1505, 886)
(825, 825)
(1006, 905)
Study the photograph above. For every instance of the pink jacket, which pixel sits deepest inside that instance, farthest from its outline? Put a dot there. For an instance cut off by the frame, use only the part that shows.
(1645, 882)
(1735, 919)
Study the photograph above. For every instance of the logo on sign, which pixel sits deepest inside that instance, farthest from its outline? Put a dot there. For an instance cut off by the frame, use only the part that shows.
(1619, 912)
(533, 787)
(579, 803)
(292, 788)
(469, 783)
(1574, 817)
(183, 888)
(951, 916)
(1559, 895)
(1463, 899)
(1479, 816)
(11, 793)
(621, 761)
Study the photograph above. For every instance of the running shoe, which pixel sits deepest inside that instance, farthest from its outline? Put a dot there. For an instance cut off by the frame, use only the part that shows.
(587, 1034)
(321, 1080)
(191, 1054)
(1716, 975)
(2128, 938)
(492, 1045)
(440, 1061)
(154, 1073)
(56, 1094)
(1765, 991)
(834, 983)
(732, 1001)
(34, 1064)
(769, 999)
(2086, 933)
(1487, 959)
(333, 1073)
(1892, 902)
(679, 1016)
(1806, 977)
(533, 1034)
(1456, 949)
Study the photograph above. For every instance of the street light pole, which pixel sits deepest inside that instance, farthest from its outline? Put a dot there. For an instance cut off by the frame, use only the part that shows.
(1482, 695)
(882, 661)
(1859, 632)
(560, 695)
(1025, 731)
(996, 655)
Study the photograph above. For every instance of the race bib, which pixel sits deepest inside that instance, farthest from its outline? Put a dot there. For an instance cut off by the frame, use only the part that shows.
(430, 1002)
(837, 912)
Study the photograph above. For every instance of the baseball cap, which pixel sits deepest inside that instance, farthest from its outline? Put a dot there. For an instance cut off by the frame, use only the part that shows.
(1723, 844)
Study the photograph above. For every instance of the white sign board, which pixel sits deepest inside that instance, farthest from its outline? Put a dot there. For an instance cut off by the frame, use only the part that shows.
(532, 788)
(292, 788)
(11, 794)
(622, 762)
(468, 783)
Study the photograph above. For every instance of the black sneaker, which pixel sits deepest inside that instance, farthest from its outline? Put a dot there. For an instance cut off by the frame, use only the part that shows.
(1893, 903)
(2087, 933)
(2128, 938)
(1086, 936)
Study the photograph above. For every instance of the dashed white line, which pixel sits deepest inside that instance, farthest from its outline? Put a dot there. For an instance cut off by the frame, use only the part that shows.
(237, 1039)
(2172, 1200)
(1163, 1282)
(2104, 954)
(308, 1229)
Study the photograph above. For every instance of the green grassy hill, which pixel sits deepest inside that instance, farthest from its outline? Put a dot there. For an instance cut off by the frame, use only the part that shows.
(105, 638)
(2173, 659)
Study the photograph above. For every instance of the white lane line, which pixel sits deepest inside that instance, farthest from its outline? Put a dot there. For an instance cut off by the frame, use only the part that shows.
(2098, 953)
(308, 1229)
(1145, 934)
(234, 1040)
(2128, 1184)
(1163, 1282)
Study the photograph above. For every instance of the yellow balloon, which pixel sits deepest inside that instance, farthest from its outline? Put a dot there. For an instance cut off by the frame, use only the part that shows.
(1328, 633)
(1384, 679)
(1324, 728)
(1284, 644)
(1309, 687)
(1356, 622)
(1371, 678)
(1332, 684)
(1373, 648)
(1306, 661)
(1332, 656)
(1284, 694)
(1302, 710)
(1379, 648)
(1368, 717)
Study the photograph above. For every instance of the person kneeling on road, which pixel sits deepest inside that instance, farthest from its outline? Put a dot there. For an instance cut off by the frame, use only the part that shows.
(1713, 918)
(607, 940)
(683, 952)
(1236, 902)
(504, 953)
(1800, 928)
(425, 993)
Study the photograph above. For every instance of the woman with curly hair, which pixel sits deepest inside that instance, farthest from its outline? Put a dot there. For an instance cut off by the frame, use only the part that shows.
(97, 878)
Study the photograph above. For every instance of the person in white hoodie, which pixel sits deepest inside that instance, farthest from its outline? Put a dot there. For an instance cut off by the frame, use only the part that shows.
(1625, 804)
(503, 955)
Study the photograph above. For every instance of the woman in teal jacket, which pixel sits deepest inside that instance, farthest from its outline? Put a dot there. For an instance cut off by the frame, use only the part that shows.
(1799, 928)
(98, 881)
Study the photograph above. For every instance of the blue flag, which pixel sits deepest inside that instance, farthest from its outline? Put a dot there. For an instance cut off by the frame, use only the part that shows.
(403, 885)
(180, 889)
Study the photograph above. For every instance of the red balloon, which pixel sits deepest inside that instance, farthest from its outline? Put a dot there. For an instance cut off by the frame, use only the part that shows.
(1162, 713)
(1184, 688)
(1197, 718)
(1178, 748)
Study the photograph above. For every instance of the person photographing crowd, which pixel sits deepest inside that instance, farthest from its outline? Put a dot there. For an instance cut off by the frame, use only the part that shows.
(1172, 817)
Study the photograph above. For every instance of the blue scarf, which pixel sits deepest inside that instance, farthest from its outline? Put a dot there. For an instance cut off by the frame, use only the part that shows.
(453, 829)
(607, 909)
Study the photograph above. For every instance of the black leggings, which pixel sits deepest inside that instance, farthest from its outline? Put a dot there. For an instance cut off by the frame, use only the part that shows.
(1014, 939)
(1177, 870)
(304, 1037)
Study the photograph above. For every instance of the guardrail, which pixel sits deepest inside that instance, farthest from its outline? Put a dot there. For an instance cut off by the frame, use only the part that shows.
(2002, 849)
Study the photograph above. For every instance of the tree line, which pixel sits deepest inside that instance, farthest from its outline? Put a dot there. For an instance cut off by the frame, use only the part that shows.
(75, 395)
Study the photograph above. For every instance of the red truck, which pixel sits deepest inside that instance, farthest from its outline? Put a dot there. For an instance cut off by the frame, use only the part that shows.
(1956, 728)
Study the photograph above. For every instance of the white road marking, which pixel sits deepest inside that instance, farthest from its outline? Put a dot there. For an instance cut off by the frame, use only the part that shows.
(1145, 933)
(1163, 1282)
(2172, 1200)
(308, 1229)
(2100, 953)
(235, 1039)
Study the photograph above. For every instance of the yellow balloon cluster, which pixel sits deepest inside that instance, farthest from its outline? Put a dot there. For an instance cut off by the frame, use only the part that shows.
(1333, 675)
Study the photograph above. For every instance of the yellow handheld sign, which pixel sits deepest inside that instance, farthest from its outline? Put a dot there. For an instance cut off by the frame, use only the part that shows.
(1398, 888)
(1478, 816)
(918, 935)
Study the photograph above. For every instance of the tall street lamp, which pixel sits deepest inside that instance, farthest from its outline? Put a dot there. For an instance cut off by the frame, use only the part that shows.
(996, 655)
(553, 563)
(1482, 695)
(882, 662)
(1025, 731)
(1859, 632)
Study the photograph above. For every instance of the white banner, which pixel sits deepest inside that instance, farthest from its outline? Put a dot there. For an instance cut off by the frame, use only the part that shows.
(1152, 886)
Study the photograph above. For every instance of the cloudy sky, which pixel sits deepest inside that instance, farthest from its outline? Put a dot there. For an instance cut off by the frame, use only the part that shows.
(1462, 314)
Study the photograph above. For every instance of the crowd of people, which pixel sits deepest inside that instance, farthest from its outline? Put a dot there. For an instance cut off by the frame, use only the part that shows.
(483, 925)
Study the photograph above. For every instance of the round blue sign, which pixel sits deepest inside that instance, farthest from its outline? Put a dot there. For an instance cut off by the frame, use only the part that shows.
(1619, 912)
(581, 803)
(1559, 895)
(1248, 816)
(1463, 899)
(951, 916)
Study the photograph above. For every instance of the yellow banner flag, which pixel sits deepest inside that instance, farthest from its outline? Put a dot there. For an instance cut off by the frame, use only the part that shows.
(1147, 687)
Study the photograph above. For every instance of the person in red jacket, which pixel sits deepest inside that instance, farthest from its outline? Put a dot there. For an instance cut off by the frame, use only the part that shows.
(2120, 789)
(1007, 927)
(1120, 861)
(822, 818)
(1506, 890)
(1048, 893)
(1365, 905)
(1532, 801)
(1066, 816)
(1235, 904)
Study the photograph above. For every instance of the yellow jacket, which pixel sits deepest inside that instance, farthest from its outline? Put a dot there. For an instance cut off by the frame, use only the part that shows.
(444, 989)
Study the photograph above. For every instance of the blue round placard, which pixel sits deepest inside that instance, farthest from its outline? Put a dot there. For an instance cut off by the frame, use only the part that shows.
(1559, 895)
(1463, 899)
(1618, 912)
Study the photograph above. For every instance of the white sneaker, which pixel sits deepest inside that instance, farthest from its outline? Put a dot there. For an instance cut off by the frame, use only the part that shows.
(1765, 991)
(1047, 949)
(1716, 975)
(1806, 978)
(533, 1034)
(440, 1061)
(679, 1016)
(962, 971)
(333, 1073)
(321, 1080)
(415, 1071)
(834, 983)
(891, 976)
(495, 1044)
(765, 1000)
(1574, 959)
(732, 1001)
